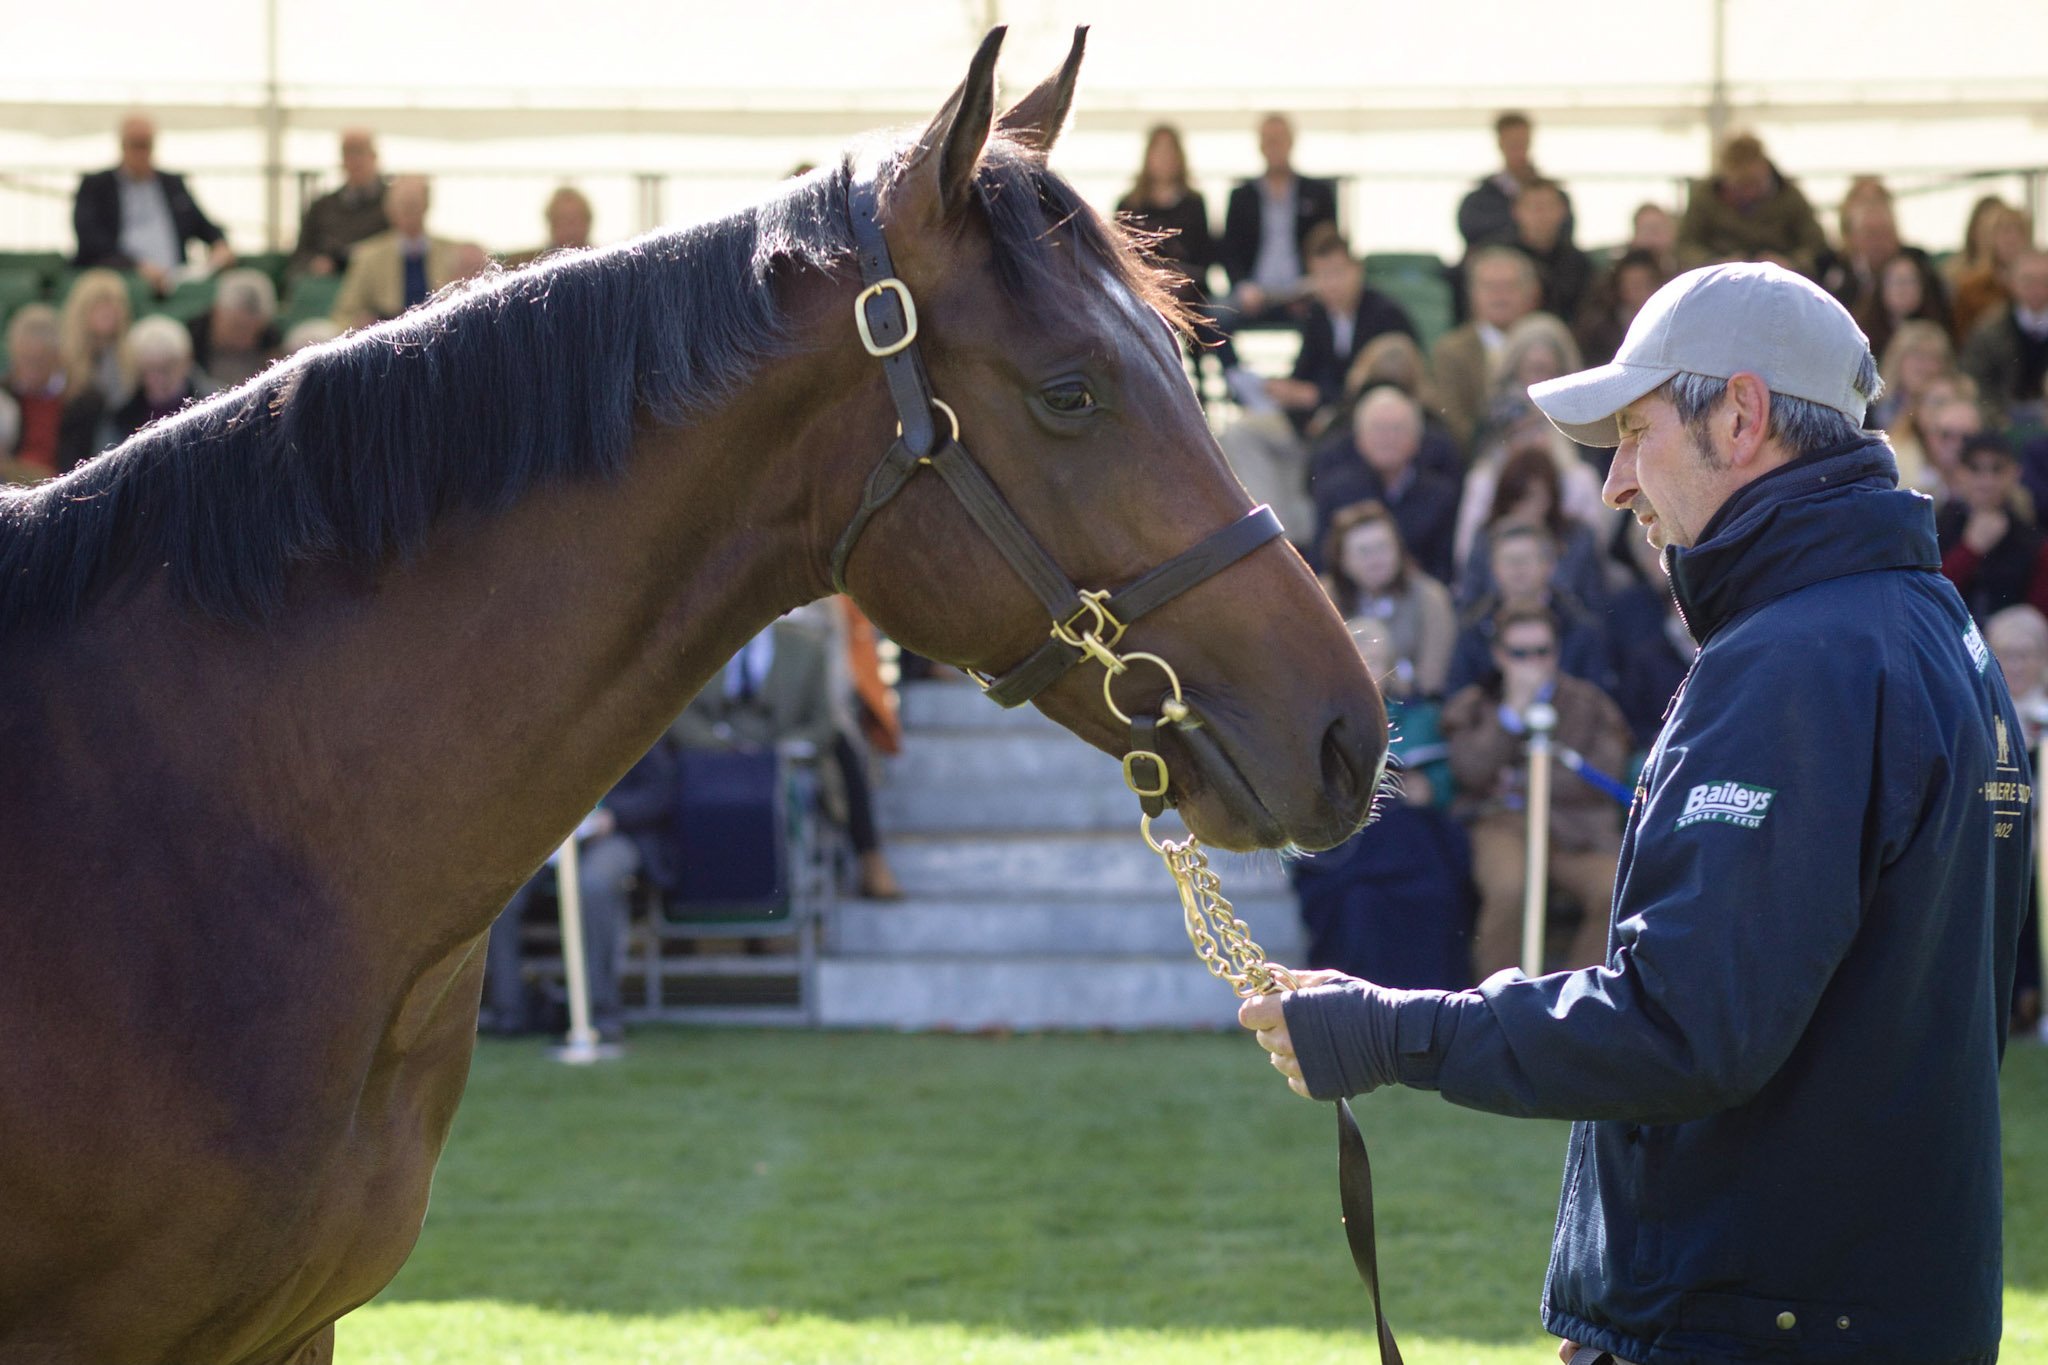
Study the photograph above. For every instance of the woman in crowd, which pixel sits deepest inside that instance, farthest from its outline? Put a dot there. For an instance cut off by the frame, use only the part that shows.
(1908, 290)
(1998, 234)
(1613, 302)
(1373, 578)
(1919, 357)
(1537, 348)
(97, 316)
(1528, 494)
(1161, 202)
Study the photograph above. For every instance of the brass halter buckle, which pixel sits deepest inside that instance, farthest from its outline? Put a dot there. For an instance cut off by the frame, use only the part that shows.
(1089, 639)
(892, 285)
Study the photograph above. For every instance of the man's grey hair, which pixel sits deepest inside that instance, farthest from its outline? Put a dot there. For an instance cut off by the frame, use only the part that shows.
(247, 291)
(1805, 427)
(1508, 255)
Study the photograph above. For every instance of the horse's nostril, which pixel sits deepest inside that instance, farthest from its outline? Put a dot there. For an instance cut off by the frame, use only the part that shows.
(1347, 770)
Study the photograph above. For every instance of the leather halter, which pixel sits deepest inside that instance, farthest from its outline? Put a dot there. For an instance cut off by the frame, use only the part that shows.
(1084, 624)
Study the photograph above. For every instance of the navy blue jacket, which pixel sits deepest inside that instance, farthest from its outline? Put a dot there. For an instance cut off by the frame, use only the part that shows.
(1785, 1076)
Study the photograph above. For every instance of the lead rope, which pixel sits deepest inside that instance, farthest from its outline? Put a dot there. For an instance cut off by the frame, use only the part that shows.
(1225, 945)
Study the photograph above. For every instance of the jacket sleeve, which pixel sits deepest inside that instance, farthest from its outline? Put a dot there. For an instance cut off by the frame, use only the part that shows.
(186, 216)
(1239, 248)
(96, 218)
(1747, 886)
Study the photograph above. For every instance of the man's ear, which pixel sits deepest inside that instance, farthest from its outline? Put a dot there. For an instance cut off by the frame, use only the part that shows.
(1036, 119)
(940, 173)
(1747, 413)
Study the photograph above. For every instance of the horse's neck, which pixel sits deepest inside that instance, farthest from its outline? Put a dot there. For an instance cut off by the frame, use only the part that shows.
(422, 744)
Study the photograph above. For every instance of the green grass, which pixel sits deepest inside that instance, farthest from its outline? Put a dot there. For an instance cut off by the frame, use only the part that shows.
(794, 1197)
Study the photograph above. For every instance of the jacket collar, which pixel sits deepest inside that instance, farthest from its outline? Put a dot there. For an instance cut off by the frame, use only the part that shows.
(1827, 515)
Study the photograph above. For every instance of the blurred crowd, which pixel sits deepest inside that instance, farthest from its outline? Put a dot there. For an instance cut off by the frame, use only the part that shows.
(1460, 533)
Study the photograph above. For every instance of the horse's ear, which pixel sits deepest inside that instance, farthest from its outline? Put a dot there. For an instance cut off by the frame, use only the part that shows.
(951, 146)
(1036, 119)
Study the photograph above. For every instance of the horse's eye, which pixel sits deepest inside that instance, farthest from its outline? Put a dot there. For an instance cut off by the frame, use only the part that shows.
(1072, 397)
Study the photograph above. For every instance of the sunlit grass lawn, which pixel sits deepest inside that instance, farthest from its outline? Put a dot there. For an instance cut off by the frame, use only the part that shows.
(766, 1197)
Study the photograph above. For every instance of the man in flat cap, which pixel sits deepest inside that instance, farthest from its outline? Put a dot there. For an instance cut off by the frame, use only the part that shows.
(1784, 1077)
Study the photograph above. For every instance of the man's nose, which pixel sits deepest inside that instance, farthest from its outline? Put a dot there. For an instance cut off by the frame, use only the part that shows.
(1619, 489)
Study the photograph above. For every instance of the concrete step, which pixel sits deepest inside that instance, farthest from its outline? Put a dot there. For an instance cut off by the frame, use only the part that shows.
(1076, 929)
(1033, 994)
(971, 760)
(961, 706)
(1034, 865)
(1004, 807)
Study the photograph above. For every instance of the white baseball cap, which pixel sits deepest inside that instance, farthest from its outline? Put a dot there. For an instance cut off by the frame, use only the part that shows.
(1718, 321)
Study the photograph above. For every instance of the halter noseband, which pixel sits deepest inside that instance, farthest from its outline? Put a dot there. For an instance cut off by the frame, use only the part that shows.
(1085, 623)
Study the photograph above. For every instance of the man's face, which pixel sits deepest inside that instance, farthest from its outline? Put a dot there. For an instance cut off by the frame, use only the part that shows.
(405, 204)
(1501, 293)
(1748, 184)
(568, 222)
(1539, 216)
(1873, 234)
(1334, 280)
(358, 159)
(1388, 435)
(2030, 282)
(1514, 147)
(1276, 144)
(138, 147)
(1663, 474)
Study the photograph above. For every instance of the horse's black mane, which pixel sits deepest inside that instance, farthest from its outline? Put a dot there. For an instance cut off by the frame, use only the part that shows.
(350, 452)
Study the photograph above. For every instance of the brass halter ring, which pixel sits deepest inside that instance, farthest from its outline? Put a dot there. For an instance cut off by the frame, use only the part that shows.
(951, 416)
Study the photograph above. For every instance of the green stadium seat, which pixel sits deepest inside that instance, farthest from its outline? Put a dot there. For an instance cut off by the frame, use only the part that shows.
(270, 263)
(188, 300)
(1426, 300)
(312, 296)
(1402, 265)
(19, 285)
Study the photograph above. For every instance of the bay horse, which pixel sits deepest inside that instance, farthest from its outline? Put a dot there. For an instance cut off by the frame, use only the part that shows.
(300, 684)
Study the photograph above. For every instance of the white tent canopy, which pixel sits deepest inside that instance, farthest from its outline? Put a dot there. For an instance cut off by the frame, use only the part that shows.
(669, 113)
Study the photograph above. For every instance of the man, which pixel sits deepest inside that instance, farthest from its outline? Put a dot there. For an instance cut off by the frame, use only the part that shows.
(337, 220)
(1784, 1076)
(238, 336)
(1265, 226)
(1749, 212)
(1504, 289)
(1487, 728)
(629, 835)
(136, 217)
(1990, 547)
(2007, 353)
(399, 268)
(1382, 463)
(1542, 232)
(569, 218)
(1486, 215)
(1268, 449)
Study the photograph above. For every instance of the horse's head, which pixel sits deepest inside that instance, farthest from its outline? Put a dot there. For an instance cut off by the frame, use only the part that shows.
(1041, 330)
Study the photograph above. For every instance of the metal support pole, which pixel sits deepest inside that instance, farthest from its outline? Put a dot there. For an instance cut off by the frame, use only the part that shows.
(1541, 720)
(581, 1047)
(273, 138)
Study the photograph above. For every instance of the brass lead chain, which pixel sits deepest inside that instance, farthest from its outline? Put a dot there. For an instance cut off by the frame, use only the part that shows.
(1222, 941)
